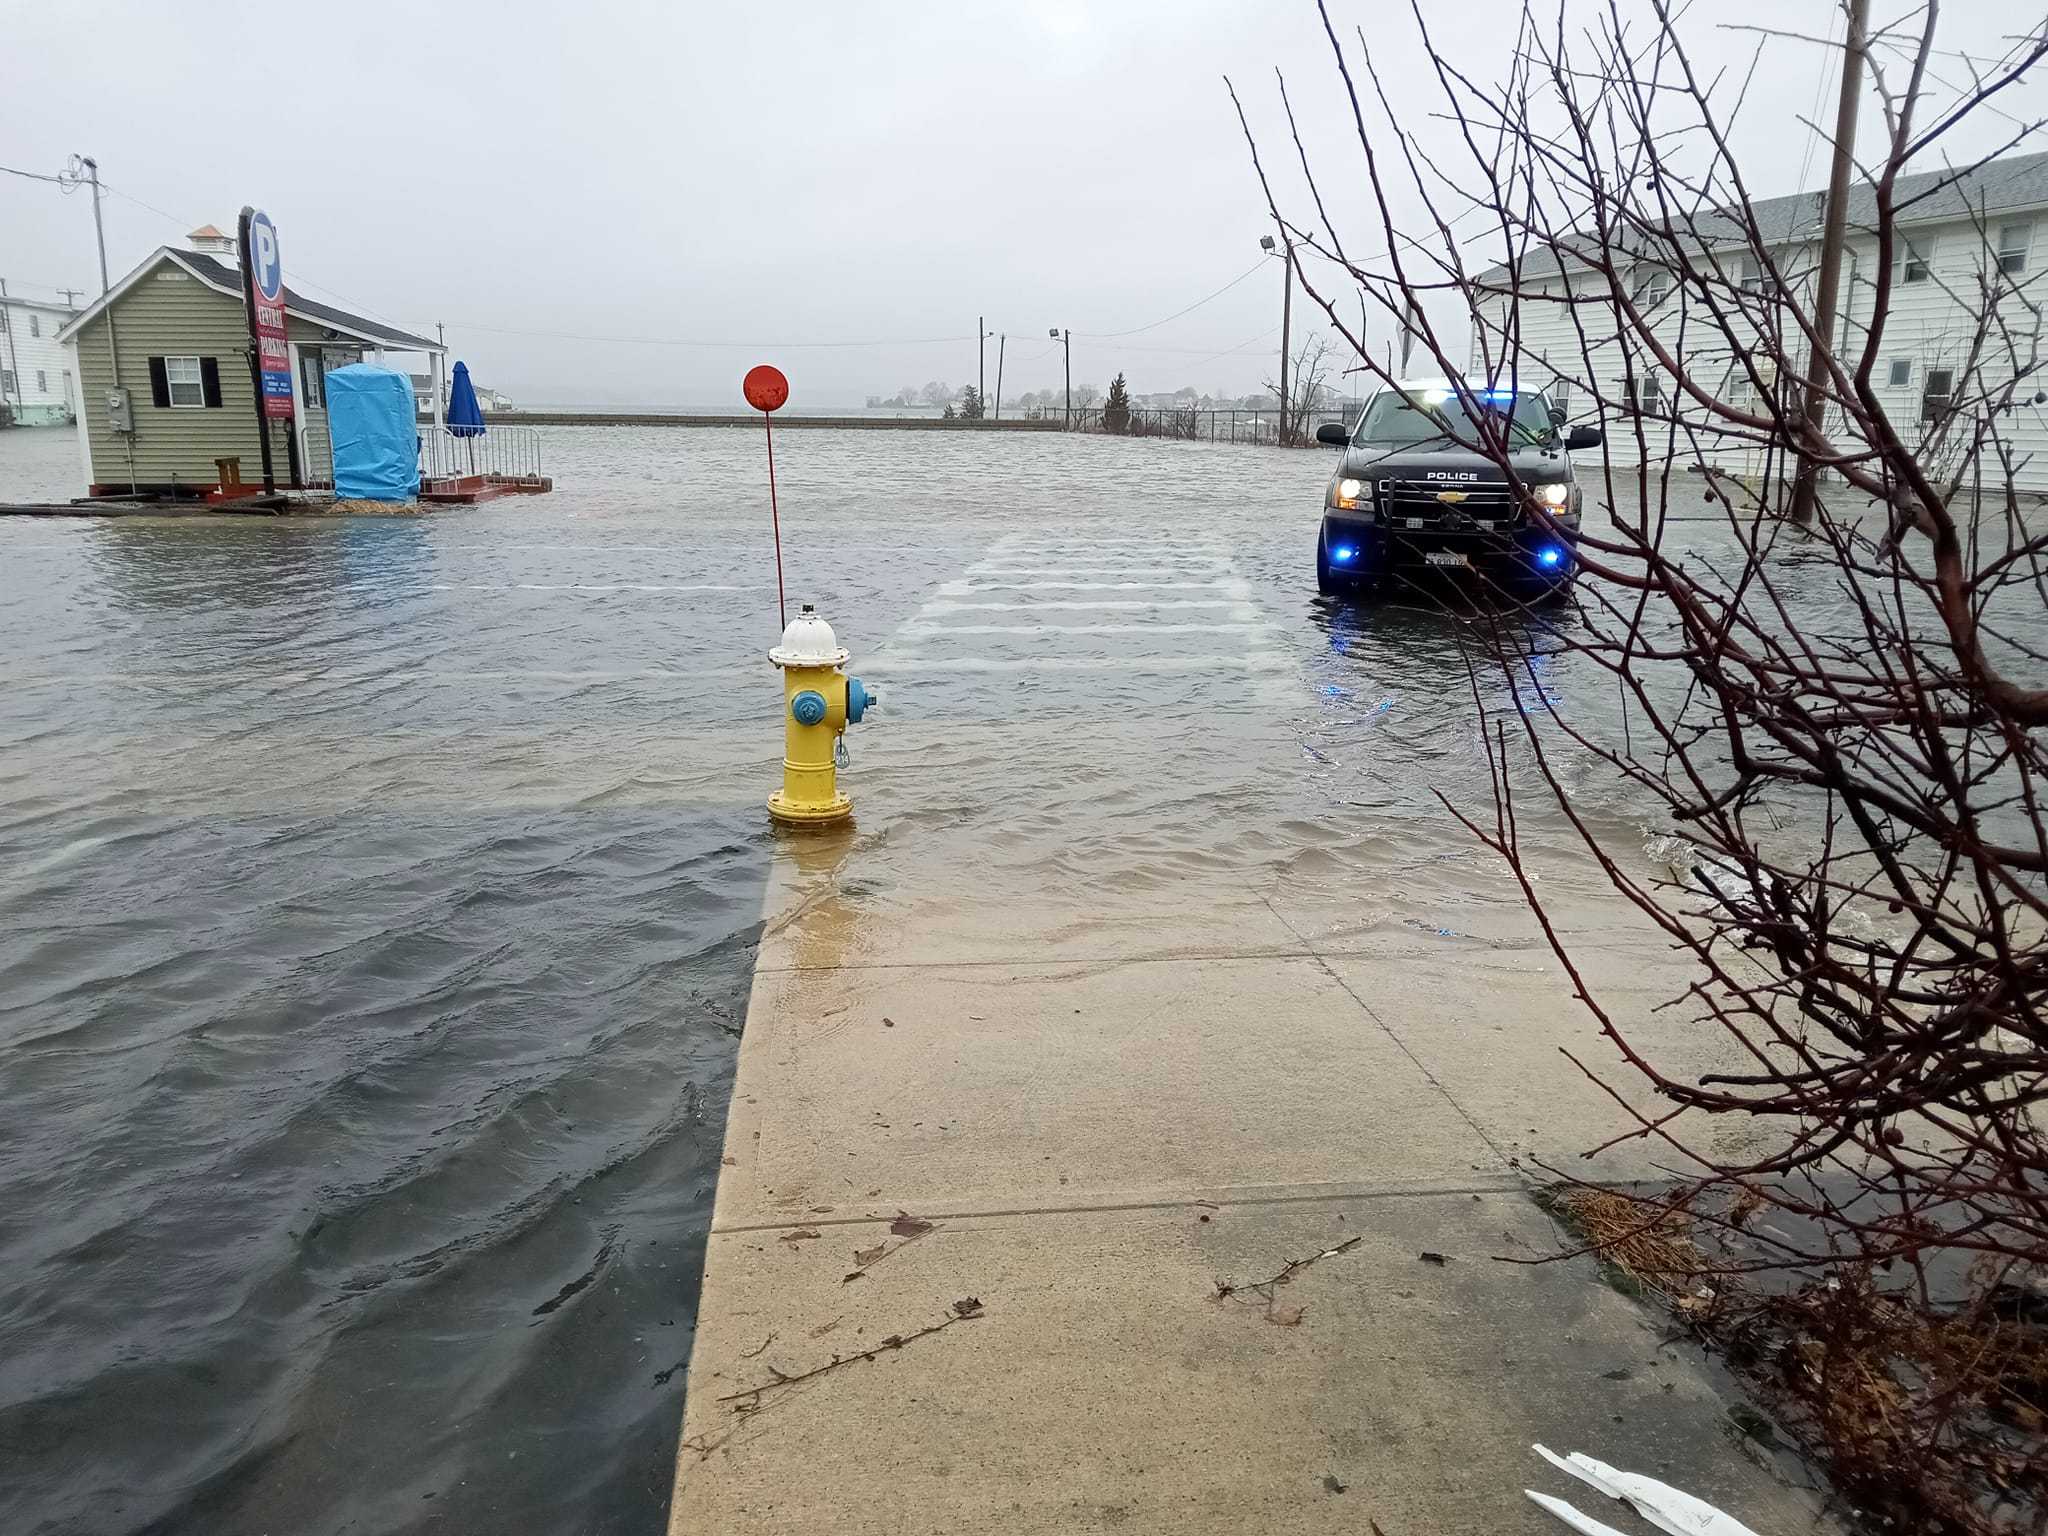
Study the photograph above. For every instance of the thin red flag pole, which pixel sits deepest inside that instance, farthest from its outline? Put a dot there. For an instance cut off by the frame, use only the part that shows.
(775, 516)
(766, 391)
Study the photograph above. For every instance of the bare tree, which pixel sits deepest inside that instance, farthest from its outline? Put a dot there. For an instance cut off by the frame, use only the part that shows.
(1308, 380)
(1842, 721)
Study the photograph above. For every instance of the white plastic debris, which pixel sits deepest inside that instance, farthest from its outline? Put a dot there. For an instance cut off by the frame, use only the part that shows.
(1669, 1509)
(1585, 1524)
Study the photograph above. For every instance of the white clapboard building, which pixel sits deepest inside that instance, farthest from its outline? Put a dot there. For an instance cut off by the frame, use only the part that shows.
(35, 373)
(1990, 224)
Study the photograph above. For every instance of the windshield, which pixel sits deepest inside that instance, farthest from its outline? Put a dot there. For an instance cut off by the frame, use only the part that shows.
(1395, 420)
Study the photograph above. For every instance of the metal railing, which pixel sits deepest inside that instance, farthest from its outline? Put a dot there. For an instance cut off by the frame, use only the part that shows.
(1194, 424)
(498, 455)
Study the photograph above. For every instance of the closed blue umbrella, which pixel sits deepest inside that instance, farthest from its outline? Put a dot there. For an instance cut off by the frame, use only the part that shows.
(465, 416)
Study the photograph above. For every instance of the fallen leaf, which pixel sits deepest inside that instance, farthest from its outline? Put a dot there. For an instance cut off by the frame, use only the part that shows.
(801, 1234)
(858, 1274)
(1433, 1258)
(967, 1306)
(729, 1162)
(888, 1023)
(1286, 1317)
(907, 1225)
(1330, 1482)
(866, 1256)
(824, 1328)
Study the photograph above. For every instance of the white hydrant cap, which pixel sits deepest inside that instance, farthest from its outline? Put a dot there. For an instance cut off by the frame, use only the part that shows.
(808, 642)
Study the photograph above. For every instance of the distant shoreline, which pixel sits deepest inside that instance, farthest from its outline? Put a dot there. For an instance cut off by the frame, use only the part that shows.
(693, 419)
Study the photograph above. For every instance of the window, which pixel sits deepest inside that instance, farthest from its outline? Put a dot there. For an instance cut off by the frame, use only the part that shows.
(313, 380)
(1645, 393)
(2013, 240)
(1916, 261)
(1936, 395)
(1746, 273)
(42, 382)
(186, 384)
(35, 325)
(1901, 374)
(6, 382)
(1650, 284)
(1560, 393)
(1396, 419)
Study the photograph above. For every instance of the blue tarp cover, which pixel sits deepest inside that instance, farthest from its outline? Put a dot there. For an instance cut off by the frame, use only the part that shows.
(376, 444)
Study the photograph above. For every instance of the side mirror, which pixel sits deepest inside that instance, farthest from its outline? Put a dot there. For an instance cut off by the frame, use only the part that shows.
(1584, 437)
(1334, 433)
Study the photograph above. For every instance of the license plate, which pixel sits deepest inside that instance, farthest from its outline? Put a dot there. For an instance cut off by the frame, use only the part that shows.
(1446, 557)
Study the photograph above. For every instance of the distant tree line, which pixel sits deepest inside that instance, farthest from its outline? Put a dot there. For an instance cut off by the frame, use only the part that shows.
(967, 402)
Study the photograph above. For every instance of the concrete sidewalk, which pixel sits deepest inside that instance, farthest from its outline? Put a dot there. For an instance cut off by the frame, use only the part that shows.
(1101, 1120)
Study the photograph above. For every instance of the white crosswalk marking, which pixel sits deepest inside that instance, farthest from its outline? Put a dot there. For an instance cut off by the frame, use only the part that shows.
(1066, 603)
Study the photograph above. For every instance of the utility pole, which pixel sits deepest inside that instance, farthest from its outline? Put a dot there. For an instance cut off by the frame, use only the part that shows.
(13, 358)
(1286, 252)
(1066, 339)
(981, 356)
(99, 230)
(71, 296)
(1814, 400)
(1001, 347)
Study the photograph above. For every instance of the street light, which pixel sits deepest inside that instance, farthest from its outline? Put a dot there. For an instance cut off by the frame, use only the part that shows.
(1066, 339)
(1272, 248)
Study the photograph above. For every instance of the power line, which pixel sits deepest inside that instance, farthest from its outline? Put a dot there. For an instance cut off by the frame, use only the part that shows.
(37, 176)
(690, 341)
(298, 278)
(1819, 89)
(1140, 330)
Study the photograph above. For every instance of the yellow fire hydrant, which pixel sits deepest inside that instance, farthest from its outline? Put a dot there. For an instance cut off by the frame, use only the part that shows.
(819, 702)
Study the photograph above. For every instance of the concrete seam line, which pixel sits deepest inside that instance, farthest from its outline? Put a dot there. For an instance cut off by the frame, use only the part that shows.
(1508, 1184)
(1399, 1044)
(1228, 956)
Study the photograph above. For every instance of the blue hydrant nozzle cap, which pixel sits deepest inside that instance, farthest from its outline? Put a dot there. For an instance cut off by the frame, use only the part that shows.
(808, 707)
(859, 700)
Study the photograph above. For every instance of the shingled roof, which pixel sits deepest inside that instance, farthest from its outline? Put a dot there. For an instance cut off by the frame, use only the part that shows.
(225, 278)
(1920, 197)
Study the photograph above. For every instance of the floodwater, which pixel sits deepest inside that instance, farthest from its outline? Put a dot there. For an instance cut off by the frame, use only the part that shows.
(378, 900)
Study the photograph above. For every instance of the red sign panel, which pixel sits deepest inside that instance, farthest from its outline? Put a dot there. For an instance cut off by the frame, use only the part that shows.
(765, 387)
(264, 272)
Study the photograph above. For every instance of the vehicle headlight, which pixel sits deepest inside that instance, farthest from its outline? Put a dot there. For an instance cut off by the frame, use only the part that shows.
(1556, 494)
(1348, 493)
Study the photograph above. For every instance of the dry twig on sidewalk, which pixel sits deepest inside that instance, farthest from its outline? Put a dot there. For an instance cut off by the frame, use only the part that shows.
(750, 1400)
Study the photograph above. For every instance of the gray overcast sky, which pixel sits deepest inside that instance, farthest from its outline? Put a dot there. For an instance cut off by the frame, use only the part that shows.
(769, 174)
